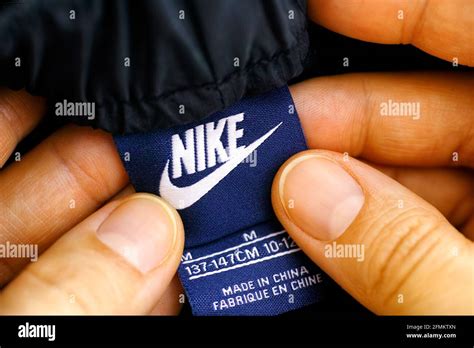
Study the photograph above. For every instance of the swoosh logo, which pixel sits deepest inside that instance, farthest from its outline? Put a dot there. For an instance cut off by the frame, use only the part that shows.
(184, 197)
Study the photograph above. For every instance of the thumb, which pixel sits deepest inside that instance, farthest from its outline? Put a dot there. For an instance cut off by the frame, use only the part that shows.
(391, 250)
(120, 260)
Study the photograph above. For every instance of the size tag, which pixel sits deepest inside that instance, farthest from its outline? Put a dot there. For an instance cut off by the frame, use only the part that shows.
(218, 173)
(258, 271)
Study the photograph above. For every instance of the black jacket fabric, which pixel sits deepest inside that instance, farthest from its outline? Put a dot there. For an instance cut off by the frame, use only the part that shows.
(151, 63)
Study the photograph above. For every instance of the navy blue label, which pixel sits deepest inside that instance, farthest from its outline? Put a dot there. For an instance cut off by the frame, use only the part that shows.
(218, 173)
(257, 271)
(177, 160)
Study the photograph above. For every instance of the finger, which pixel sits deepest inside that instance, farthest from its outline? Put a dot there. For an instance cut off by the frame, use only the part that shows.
(451, 191)
(20, 112)
(172, 300)
(442, 28)
(127, 191)
(468, 229)
(393, 258)
(54, 187)
(118, 261)
(351, 113)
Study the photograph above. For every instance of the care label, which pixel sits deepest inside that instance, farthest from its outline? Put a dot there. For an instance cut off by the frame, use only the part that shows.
(258, 271)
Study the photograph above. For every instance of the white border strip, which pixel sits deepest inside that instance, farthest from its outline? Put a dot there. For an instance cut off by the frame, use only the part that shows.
(245, 264)
(234, 247)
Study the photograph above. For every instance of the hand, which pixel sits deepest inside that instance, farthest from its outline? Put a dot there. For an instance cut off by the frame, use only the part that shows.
(402, 253)
(119, 259)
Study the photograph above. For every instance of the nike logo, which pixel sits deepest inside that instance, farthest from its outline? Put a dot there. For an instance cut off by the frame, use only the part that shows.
(184, 197)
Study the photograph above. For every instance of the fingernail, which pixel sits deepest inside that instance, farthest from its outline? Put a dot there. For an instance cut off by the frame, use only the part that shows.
(319, 196)
(142, 230)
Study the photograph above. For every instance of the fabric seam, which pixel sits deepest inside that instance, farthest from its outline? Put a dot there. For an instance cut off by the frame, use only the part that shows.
(211, 85)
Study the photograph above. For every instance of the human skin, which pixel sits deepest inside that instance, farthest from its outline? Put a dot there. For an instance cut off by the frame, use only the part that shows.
(422, 251)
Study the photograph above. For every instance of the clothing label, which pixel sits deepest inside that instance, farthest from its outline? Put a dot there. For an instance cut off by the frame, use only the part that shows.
(258, 271)
(218, 173)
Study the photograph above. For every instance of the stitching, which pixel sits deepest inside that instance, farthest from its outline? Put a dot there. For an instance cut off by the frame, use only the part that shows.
(211, 85)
